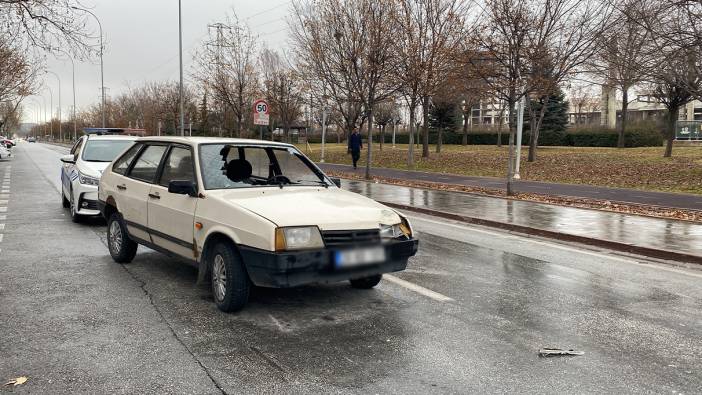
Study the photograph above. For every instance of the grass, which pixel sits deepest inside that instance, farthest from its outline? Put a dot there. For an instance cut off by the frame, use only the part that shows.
(638, 168)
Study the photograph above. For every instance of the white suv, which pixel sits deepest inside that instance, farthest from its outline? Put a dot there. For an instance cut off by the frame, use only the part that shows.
(248, 212)
(82, 168)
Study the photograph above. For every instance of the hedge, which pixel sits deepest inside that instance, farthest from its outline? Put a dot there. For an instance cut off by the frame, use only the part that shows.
(594, 137)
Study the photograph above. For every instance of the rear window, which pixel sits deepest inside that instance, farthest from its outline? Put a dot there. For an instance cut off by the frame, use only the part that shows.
(104, 150)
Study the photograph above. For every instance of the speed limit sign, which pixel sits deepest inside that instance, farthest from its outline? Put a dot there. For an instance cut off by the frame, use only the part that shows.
(261, 112)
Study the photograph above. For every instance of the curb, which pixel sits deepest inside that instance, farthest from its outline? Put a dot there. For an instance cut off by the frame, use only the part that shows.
(612, 245)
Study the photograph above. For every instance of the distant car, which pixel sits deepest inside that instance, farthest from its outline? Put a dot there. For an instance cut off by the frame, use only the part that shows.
(8, 143)
(31, 140)
(82, 168)
(248, 212)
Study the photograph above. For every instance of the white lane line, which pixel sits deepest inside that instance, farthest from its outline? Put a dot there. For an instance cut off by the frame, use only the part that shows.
(1, 236)
(563, 247)
(3, 209)
(2, 226)
(3, 202)
(417, 288)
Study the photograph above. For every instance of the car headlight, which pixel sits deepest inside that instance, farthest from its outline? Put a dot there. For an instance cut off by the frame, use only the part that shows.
(298, 238)
(87, 180)
(396, 231)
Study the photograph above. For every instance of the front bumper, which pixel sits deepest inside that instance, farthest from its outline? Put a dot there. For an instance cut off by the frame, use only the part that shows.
(293, 268)
(86, 199)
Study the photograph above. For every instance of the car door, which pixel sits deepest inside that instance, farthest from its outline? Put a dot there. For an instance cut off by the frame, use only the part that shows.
(68, 170)
(171, 215)
(133, 191)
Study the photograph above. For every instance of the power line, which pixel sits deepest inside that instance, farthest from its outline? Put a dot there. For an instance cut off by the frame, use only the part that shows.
(268, 10)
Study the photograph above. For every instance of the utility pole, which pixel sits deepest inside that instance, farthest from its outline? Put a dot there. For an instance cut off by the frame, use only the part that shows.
(180, 50)
(102, 69)
(59, 103)
(219, 44)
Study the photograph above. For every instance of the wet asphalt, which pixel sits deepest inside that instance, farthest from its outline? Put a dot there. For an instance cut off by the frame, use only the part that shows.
(74, 321)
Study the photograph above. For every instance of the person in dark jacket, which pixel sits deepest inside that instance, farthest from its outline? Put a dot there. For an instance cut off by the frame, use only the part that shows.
(355, 146)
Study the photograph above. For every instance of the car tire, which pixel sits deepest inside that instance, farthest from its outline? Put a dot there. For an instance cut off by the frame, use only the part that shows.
(122, 248)
(230, 282)
(75, 217)
(64, 202)
(366, 282)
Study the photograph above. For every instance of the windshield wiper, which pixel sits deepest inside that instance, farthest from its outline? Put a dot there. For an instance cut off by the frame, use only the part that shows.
(313, 183)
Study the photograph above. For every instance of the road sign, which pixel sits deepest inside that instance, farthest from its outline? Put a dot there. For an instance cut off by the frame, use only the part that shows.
(261, 112)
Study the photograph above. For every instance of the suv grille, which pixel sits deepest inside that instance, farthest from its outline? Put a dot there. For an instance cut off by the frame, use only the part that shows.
(349, 238)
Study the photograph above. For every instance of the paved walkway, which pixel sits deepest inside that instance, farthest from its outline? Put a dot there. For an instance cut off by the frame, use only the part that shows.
(677, 200)
(634, 230)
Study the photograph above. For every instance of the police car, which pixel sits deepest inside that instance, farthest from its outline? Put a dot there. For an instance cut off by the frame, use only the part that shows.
(82, 168)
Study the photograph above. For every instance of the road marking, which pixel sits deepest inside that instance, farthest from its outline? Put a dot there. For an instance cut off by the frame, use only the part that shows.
(3, 209)
(3, 202)
(2, 226)
(563, 247)
(417, 288)
(1, 237)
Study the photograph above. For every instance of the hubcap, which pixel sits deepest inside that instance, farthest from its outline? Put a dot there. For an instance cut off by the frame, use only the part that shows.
(219, 277)
(115, 237)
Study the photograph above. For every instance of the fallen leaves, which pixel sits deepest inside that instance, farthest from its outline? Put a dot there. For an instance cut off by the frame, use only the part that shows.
(17, 381)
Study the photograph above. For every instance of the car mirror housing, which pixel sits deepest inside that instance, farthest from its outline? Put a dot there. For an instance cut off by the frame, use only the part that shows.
(182, 187)
(68, 159)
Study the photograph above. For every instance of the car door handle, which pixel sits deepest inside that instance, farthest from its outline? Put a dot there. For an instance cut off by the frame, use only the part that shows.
(154, 196)
(122, 187)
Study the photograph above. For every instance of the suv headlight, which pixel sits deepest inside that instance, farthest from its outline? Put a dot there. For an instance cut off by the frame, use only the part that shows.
(87, 180)
(298, 238)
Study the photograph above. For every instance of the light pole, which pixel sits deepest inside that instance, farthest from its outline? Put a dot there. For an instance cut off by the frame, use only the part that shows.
(180, 51)
(520, 129)
(59, 103)
(102, 70)
(51, 109)
(73, 65)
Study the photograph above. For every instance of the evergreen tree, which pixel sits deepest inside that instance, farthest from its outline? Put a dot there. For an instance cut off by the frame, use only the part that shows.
(442, 116)
(555, 122)
(204, 116)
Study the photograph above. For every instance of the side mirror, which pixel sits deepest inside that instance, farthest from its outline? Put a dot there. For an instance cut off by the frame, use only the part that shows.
(68, 159)
(182, 187)
(336, 181)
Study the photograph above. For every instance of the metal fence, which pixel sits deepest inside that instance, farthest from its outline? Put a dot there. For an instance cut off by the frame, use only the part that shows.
(688, 130)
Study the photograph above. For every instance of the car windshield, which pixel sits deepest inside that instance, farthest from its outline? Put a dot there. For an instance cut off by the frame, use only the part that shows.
(226, 166)
(104, 150)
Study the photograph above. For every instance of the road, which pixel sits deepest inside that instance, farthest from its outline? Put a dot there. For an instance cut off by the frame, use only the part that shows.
(469, 315)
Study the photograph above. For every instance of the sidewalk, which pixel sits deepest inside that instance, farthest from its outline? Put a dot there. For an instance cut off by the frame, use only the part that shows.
(654, 237)
(675, 200)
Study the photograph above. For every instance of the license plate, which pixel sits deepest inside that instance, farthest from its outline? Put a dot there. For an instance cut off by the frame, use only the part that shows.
(359, 257)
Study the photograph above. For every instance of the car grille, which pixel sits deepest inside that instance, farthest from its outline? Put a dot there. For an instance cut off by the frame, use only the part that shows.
(349, 238)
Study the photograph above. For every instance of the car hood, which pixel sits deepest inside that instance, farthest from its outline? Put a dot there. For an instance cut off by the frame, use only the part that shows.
(328, 208)
(93, 169)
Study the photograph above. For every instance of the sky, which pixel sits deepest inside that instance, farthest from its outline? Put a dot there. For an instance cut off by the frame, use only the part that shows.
(141, 44)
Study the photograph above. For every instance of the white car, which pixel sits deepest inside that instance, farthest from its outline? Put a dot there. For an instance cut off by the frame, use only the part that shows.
(82, 168)
(248, 212)
(4, 152)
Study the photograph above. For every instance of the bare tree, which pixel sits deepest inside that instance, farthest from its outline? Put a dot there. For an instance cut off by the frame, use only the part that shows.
(281, 88)
(347, 45)
(18, 76)
(227, 68)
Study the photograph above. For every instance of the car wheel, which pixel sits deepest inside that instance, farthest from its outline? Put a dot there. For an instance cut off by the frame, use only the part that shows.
(230, 282)
(122, 248)
(64, 201)
(366, 282)
(75, 217)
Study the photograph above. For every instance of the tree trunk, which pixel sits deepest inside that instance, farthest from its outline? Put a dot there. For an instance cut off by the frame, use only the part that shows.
(499, 137)
(535, 130)
(673, 113)
(622, 127)
(425, 139)
(410, 151)
(465, 131)
(369, 155)
(439, 140)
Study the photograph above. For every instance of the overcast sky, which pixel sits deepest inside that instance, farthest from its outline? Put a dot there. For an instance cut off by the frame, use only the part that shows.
(141, 40)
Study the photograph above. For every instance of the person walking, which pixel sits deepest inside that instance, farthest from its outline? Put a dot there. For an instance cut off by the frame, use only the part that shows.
(355, 146)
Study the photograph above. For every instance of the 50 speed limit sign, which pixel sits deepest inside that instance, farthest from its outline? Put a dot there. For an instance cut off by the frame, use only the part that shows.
(261, 112)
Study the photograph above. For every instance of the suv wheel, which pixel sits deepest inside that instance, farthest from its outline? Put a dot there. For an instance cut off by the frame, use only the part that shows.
(122, 248)
(230, 282)
(64, 202)
(366, 282)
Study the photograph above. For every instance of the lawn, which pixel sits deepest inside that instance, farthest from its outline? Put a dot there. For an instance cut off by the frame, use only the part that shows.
(639, 168)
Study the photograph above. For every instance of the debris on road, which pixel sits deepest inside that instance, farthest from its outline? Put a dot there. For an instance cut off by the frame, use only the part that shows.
(553, 352)
(18, 381)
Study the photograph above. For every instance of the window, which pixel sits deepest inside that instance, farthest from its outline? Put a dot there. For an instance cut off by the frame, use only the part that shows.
(178, 166)
(76, 148)
(146, 166)
(226, 166)
(122, 164)
(104, 150)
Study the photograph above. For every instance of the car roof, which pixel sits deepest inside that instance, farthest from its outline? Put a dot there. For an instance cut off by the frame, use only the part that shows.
(110, 137)
(212, 140)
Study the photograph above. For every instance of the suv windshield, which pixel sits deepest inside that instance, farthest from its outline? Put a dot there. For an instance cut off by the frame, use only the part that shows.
(226, 166)
(104, 150)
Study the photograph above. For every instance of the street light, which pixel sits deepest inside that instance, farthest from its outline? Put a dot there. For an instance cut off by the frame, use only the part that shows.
(73, 65)
(51, 109)
(102, 70)
(180, 50)
(59, 102)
